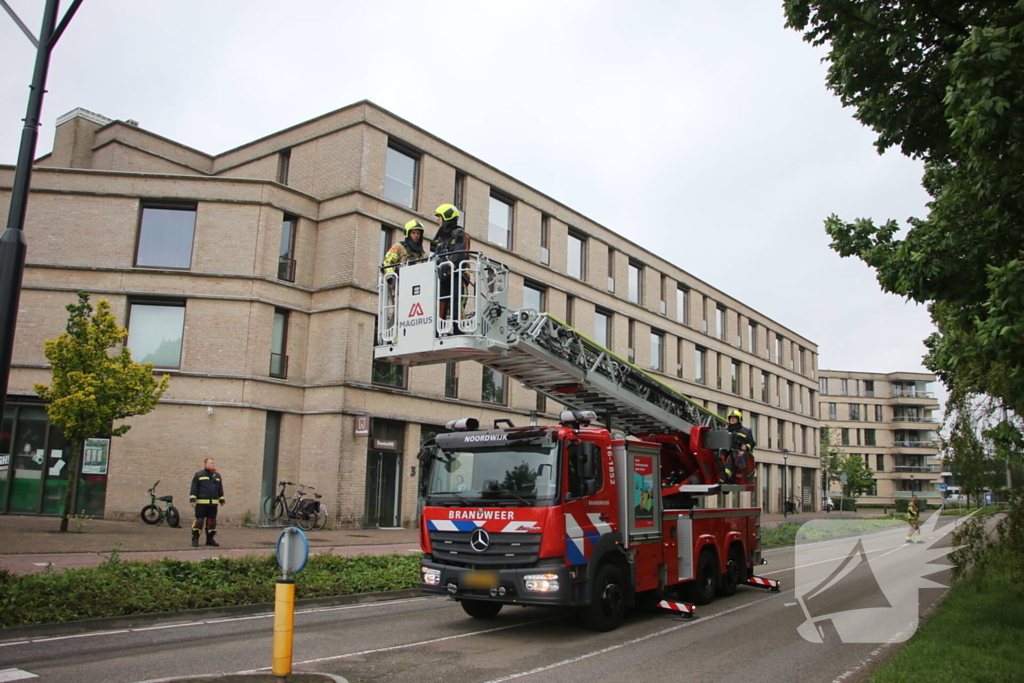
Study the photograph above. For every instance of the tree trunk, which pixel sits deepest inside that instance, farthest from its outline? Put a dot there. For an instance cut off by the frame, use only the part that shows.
(72, 488)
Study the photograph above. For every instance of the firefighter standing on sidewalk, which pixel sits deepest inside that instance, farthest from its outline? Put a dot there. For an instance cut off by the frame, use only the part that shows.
(206, 494)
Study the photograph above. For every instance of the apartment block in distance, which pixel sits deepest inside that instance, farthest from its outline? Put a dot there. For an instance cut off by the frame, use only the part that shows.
(891, 420)
(250, 277)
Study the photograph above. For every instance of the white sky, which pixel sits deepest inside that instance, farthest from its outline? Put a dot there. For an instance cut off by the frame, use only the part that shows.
(699, 130)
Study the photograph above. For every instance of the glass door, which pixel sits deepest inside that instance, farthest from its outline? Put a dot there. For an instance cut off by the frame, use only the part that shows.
(382, 469)
(28, 459)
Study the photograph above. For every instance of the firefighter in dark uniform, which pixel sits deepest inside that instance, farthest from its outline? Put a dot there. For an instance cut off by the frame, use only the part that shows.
(206, 494)
(450, 246)
(742, 443)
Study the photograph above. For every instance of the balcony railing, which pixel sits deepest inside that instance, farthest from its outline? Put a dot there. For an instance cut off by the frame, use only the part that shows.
(919, 494)
(910, 418)
(278, 365)
(286, 269)
(913, 444)
(927, 469)
(903, 393)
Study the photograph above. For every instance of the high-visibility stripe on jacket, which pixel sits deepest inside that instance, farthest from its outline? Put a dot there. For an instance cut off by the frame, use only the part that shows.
(207, 488)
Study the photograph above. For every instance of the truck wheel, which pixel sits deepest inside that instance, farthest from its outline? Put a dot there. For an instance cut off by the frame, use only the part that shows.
(607, 601)
(702, 590)
(734, 571)
(481, 609)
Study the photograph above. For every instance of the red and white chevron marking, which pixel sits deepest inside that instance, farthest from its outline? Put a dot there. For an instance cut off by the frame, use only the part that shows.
(765, 583)
(677, 606)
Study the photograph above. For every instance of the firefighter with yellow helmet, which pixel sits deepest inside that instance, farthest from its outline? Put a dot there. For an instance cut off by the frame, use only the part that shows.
(451, 246)
(742, 443)
(409, 249)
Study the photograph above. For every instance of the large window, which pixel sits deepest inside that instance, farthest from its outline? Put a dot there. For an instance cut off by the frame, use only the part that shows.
(279, 345)
(657, 351)
(700, 363)
(493, 389)
(636, 282)
(683, 305)
(533, 297)
(499, 228)
(286, 262)
(400, 177)
(577, 248)
(155, 330)
(385, 372)
(165, 236)
(603, 328)
(831, 411)
(869, 437)
(854, 412)
(878, 413)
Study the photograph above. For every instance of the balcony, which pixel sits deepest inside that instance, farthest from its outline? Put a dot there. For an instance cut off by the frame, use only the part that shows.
(286, 269)
(924, 469)
(903, 393)
(913, 444)
(909, 418)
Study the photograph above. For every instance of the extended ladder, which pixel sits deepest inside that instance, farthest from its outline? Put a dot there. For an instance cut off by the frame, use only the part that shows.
(537, 349)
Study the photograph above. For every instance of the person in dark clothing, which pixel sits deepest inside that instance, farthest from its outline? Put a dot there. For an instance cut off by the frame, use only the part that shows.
(206, 494)
(450, 246)
(742, 443)
(409, 249)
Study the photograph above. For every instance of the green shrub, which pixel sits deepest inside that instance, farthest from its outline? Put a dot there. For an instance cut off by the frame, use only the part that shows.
(902, 505)
(845, 504)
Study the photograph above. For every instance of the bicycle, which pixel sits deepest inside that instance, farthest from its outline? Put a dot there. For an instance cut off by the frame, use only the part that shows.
(154, 514)
(306, 513)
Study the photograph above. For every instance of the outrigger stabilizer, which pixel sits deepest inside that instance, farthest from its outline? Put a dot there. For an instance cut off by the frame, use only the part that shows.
(772, 585)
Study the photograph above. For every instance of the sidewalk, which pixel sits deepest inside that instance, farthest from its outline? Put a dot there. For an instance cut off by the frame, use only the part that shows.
(31, 543)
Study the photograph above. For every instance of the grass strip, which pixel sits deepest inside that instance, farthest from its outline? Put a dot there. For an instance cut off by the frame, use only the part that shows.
(787, 533)
(118, 588)
(973, 636)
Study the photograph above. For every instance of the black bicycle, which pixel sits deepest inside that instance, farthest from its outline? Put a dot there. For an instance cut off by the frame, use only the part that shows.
(305, 511)
(154, 514)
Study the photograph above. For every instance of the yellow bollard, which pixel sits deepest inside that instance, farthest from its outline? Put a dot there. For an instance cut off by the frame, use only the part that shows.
(284, 626)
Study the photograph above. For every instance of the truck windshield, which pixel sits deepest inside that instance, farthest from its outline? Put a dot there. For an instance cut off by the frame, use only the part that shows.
(504, 475)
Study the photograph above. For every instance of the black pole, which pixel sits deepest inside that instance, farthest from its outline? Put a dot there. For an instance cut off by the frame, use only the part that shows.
(12, 242)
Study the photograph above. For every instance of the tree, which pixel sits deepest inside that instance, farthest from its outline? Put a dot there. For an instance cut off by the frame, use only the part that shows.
(835, 463)
(92, 389)
(830, 457)
(963, 452)
(945, 83)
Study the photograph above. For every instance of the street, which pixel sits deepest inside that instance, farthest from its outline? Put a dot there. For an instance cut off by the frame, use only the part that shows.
(751, 636)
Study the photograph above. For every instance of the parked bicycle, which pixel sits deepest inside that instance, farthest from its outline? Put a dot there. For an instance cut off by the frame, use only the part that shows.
(154, 514)
(304, 511)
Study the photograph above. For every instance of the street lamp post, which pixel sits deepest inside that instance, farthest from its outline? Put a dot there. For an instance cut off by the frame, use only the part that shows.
(785, 480)
(12, 242)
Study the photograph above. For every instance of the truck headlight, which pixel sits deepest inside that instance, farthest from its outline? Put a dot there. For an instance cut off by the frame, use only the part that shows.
(541, 583)
(431, 577)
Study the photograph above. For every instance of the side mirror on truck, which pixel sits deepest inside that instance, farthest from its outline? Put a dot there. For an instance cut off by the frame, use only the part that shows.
(584, 468)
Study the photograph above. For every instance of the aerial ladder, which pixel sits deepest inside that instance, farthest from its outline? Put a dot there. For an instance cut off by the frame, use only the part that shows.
(546, 355)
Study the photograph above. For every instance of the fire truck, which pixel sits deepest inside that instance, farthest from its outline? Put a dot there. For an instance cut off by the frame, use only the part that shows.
(598, 513)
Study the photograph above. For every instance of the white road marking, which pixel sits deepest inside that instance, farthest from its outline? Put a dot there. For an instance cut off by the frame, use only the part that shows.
(627, 643)
(832, 559)
(15, 675)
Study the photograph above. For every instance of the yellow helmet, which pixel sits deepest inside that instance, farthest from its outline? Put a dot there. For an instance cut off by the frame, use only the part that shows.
(735, 413)
(413, 225)
(447, 212)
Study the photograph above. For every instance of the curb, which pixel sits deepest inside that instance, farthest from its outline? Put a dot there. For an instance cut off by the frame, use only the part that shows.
(296, 677)
(162, 618)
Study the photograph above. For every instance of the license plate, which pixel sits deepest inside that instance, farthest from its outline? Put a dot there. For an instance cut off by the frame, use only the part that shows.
(479, 580)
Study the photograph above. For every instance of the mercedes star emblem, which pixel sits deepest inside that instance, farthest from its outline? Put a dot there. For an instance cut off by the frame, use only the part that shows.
(480, 540)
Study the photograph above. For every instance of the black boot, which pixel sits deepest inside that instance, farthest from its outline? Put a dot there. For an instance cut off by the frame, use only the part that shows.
(195, 538)
(209, 539)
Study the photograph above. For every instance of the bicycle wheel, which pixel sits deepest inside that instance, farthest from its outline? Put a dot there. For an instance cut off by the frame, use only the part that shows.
(306, 520)
(278, 511)
(173, 517)
(151, 514)
(268, 509)
(321, 520)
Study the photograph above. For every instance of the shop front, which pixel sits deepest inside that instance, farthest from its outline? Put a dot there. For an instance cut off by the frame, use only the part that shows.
(34, 460)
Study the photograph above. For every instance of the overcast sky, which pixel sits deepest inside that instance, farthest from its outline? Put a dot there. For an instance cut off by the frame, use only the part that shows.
(699, 130)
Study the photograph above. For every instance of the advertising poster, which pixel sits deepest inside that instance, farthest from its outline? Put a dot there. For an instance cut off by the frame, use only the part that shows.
(97, 452)
(643, 491)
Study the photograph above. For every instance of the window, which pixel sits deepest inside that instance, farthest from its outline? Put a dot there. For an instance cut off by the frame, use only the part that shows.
(751, 424)
(780, 432)
(631, 347)
(854, 412)
(700, 360)
(878, 413)
(663, 305)
(286, 262)
(576, 266)
(603, 328)
(460, 193)
(790, 391)
(279, 345)
(735, 377)
(869, 437)
(284, 161)
(542, 403)
(679, 358)
(752, 336)
(155, 330)
(611, 269)
(879, 461)
(451, 379)
(764, 387)
(869, 388)
(844, 387)
(780, 345)
(636, 282)
(400, 177)
(385, 242)
(570, 310)
(165, 236)
(386, 373)
(493, 390)
(683, 305)
(545, 253)
(657, 351)
(720, 322)
(499, 228)
(831, 411)
(533, 297)
(752, 381)
(823, 385)
(845, 436)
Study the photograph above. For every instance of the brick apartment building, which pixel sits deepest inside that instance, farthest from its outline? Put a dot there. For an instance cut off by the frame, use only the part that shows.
(251, 278)
(891, 420)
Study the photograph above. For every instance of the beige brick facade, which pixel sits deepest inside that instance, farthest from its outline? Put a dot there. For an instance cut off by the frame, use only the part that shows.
(83, 231)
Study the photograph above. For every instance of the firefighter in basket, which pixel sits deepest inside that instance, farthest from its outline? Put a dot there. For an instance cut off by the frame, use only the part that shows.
(451, 244)
(742, 446)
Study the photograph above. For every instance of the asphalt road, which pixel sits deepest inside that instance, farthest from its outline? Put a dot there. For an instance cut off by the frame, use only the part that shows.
(751, 636)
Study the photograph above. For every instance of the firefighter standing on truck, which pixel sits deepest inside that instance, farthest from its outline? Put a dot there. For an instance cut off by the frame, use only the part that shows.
(450, 246)
(742, 444)
(206, 494)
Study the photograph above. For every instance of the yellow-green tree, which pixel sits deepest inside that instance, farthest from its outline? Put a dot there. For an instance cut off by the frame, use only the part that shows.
(91, 388)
